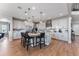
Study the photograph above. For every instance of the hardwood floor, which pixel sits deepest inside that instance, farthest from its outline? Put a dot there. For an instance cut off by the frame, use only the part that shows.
(56, 48)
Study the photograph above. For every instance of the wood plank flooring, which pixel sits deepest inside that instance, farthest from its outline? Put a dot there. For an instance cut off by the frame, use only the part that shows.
(56, 48)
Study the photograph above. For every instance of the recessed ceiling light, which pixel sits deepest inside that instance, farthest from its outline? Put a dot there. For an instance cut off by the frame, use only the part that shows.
(26, 14)
(33, 7)
(43, 14)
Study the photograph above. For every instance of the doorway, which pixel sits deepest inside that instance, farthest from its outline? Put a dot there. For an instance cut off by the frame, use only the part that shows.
(4, 30)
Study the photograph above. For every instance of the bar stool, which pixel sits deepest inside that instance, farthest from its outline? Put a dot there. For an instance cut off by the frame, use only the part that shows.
(23, 39)
(40, 37)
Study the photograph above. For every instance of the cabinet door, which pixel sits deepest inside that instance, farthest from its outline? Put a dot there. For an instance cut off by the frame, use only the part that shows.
(55, 36)
(61, 36)
(64, 37)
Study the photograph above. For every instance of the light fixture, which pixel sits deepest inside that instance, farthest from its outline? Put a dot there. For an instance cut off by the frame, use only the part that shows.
(26, 14)
(43, 14)
(29, 9)
(19, 7)
(25, 22)
(33, 8)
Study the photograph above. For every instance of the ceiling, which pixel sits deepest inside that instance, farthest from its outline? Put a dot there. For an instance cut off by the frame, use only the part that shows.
(51, 10)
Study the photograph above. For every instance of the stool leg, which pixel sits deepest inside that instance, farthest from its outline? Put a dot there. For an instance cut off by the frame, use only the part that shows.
(21, 40)
(36, 41)
(33, 42)
(40, 43)
(28, 44)
(44, 42)
(24, 43)
(27, 47)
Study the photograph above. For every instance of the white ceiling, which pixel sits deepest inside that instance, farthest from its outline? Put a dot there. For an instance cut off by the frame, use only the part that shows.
(52, 10)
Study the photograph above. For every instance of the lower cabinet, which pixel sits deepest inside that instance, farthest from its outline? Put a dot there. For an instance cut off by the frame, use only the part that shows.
(61, 36)
(16, 35)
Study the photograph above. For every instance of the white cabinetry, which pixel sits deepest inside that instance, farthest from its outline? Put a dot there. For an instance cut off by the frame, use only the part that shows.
(17, 34)
(60, 36)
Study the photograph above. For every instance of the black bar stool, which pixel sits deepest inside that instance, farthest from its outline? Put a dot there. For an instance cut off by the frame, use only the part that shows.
(23, 39)
(41, 42)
